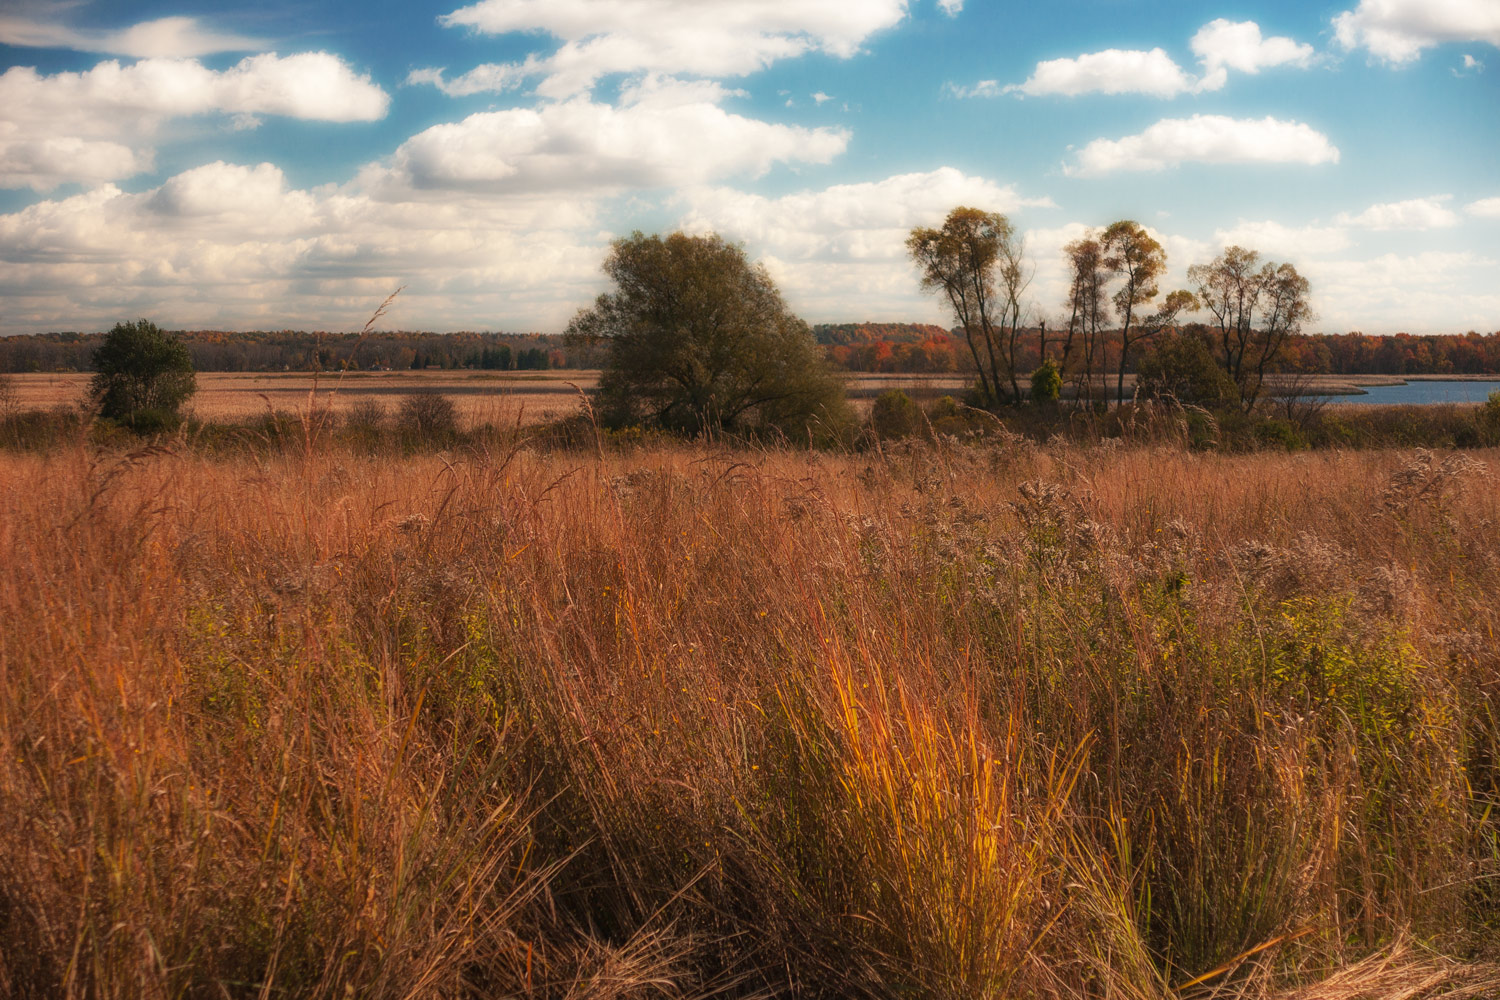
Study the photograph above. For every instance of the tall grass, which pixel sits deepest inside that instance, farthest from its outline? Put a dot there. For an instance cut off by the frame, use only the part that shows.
(994, 721)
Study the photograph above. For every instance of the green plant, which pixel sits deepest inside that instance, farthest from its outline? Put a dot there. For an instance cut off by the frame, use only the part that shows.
(1046, 384)
(1180, 367)
(1488, 420)
(894, 415)
(699, 339)
(144, 375)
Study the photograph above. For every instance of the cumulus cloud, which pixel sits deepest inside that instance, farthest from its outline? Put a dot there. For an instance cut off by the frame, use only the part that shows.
(1416, 213)
(1484, 208)
(164, 38)
(1273, 239)
(1399, 30)
(102, 114)
(1113, 71)
(234, 246)
(1222, 45)
(1418, 293)
(663, 133)
(1206, 139)
(843, 247)
(601, 37)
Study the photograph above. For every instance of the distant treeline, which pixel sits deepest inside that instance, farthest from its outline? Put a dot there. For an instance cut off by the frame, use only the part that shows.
(295, 350)
(863, 347)
(915, 348)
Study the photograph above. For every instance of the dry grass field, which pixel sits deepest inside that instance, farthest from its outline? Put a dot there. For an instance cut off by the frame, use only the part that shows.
(961, 722)
(496, 398)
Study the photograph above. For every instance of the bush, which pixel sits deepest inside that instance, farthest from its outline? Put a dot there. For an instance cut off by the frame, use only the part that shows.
(894, 415)
(1180, 367)
(428, 417)
(1046, 384)
(1488, 420)
(143, 377)
(699, 339)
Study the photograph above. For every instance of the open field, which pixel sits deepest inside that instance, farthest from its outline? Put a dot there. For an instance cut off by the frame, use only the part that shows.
(971, 722)
(497, 398)
(482, 397)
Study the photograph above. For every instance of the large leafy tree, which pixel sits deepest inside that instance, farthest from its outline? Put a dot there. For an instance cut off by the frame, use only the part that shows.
(698, 338)
(976, 261)
(1257, 307)
(143, 375)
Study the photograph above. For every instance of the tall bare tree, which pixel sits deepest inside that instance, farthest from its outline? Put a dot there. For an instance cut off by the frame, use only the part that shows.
(977, 262)
(1256, 307)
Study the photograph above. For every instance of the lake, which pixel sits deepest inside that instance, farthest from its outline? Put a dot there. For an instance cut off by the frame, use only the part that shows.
(1419, 393)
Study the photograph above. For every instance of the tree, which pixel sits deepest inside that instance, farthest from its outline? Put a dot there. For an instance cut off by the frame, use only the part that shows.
(698, 338)
(1088, 313)
(1130, 252)
(143, 376)
(976, 261)
(1181, 367)
(1256, 309)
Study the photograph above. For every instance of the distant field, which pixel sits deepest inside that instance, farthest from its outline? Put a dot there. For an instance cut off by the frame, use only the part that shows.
(504, 397)
(481, 396)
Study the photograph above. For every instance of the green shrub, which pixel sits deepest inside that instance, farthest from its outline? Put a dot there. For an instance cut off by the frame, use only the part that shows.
(1488, 420)
(1182, 368)
(1279, 433)
(894, 415)
(1046, 384)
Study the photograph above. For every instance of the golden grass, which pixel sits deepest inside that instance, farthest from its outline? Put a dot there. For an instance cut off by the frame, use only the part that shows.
(999, 721)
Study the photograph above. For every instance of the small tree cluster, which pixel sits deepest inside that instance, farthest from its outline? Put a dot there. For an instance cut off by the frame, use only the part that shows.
(143, 376)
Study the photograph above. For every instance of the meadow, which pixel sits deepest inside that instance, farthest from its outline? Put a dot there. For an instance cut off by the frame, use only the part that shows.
(986, 720)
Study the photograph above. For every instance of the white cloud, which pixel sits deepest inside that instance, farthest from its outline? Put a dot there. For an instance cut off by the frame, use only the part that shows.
(663, 133)
(1398, 30)
(164, 38)
(1484, 208)
(1113, 71)
(233, 247)
(600, 37)
(105, 112)
(487, 78)
(1469, 66)
(42, 162)
(1429, 292)
(1222, 45)
(1416, 213)
(984, 88)
(951, 7)
(844, 247)
(1274, 239)
(1206, 139)
(821, 97)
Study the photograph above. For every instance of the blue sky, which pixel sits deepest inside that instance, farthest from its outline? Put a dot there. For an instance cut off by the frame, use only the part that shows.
(288, 165)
